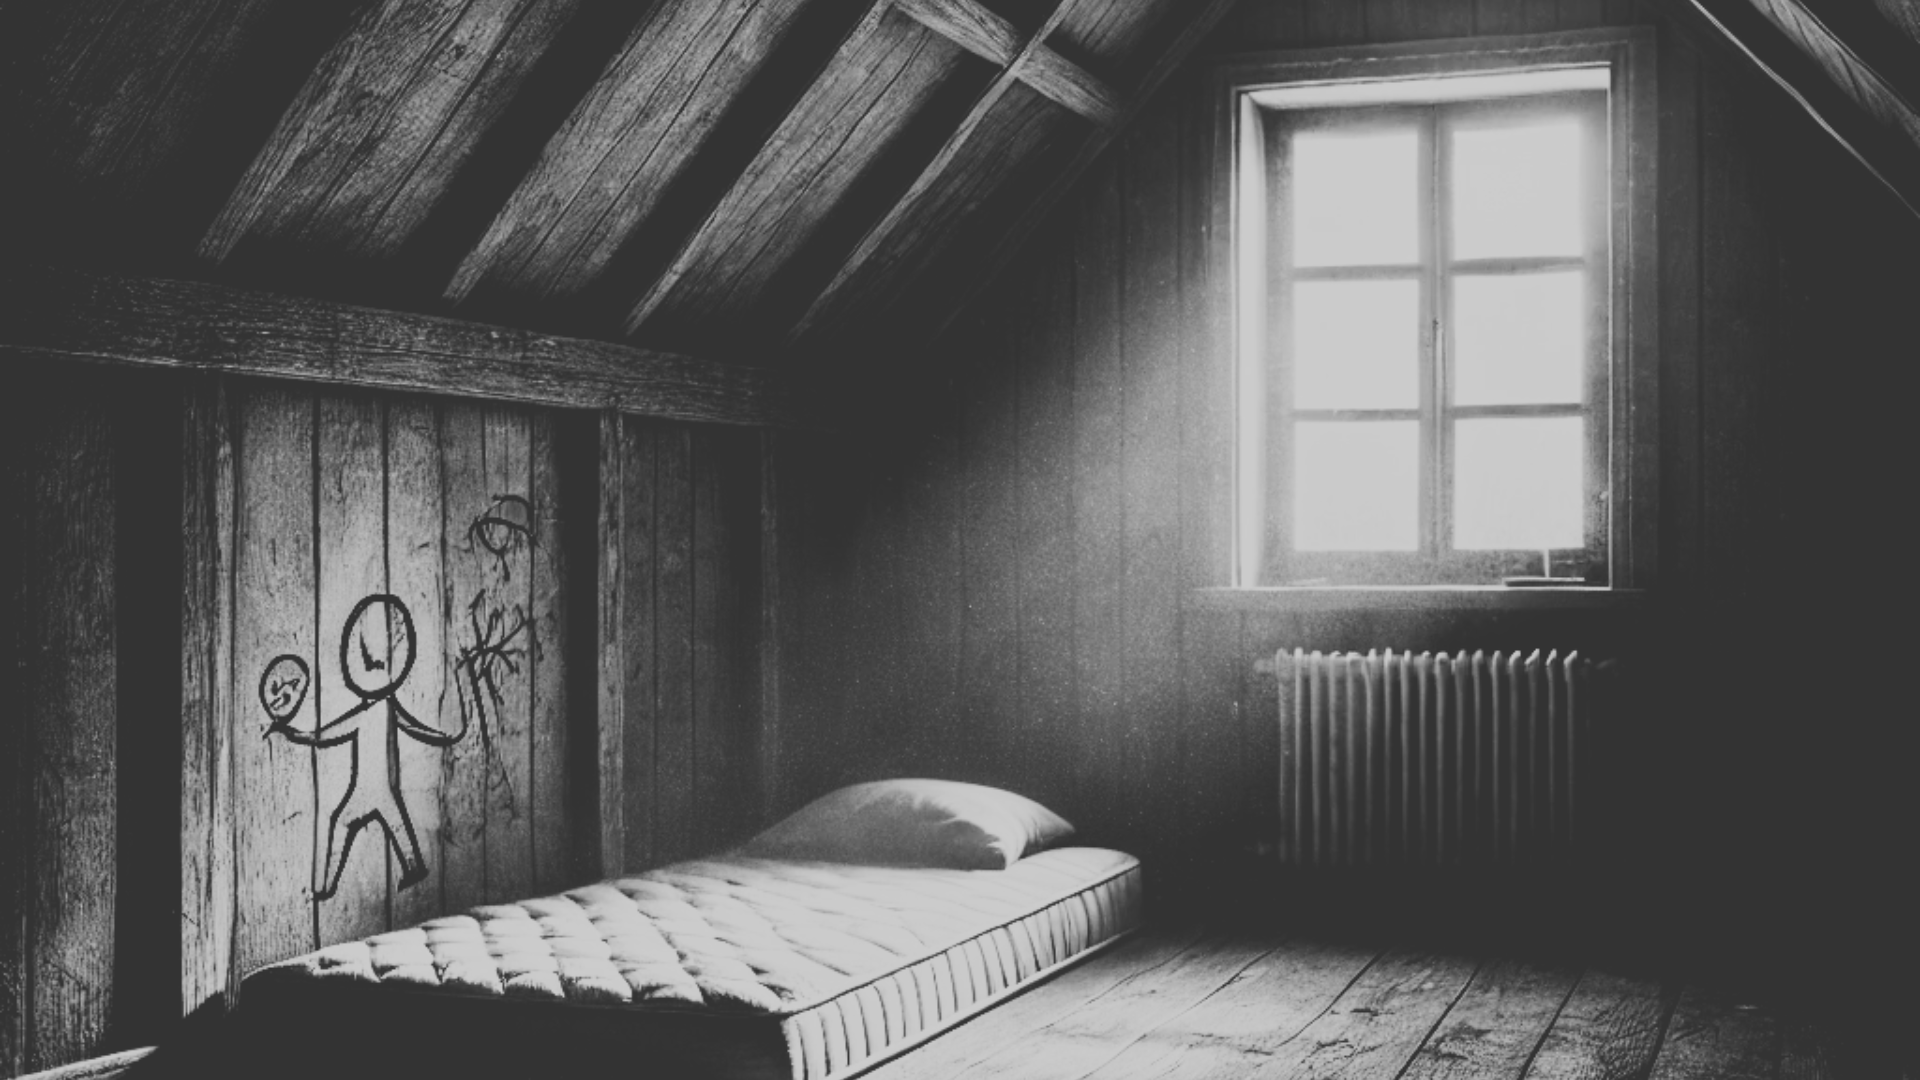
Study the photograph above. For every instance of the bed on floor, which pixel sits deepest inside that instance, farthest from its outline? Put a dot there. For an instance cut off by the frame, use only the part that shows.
(748, 964)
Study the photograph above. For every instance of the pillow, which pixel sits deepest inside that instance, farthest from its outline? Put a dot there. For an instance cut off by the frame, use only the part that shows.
(941, 823)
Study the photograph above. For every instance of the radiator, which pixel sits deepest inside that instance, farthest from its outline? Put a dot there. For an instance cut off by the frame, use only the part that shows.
(1391, 758)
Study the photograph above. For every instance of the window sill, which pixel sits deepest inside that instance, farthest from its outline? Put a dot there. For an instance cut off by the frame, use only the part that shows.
(1417, 598)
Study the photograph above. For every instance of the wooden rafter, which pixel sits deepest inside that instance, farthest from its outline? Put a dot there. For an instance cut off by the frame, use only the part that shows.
(986, 35)
(883, 72)
(1831, 82)
(857, 272)
(376, 134)
(193, 326)
(623, 147)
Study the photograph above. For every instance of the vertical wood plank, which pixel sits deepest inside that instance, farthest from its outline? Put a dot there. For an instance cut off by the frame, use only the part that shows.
(1408, 20)
(1679, 268)
(510, 594)
(274, 600)
(209, 710)
(611, 653)
(416, 573)
(780, 546)
(1334, 22)
(639, 525)
(16, 825)
(1150, 514)
(548, 650)
(1099, 558)
(464, 766)
(66, 708)
(1049, 747)
(350, 522)
(721, 650)
(673, 767)
(989, 684)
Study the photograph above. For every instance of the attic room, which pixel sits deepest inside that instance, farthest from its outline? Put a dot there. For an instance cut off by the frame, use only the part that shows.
(1046, 538)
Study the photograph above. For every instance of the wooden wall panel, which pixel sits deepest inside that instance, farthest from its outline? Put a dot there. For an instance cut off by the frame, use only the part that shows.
(685, 647)
(58, 824)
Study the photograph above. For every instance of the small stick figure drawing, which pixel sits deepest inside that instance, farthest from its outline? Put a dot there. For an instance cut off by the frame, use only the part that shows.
(376, 656)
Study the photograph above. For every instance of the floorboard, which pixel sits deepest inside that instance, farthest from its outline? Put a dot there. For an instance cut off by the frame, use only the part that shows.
(1192, 1002)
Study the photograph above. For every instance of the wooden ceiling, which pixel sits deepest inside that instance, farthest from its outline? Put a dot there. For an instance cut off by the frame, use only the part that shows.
(744, 180)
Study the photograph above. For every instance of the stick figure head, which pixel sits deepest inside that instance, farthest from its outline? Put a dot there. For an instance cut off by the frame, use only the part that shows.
(376, 646)
(283, 687)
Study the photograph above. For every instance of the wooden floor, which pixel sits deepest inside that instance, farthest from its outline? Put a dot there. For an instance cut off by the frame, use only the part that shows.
(1190, 1003)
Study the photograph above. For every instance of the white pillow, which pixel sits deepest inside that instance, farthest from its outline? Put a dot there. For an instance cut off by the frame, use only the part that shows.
(941, 823)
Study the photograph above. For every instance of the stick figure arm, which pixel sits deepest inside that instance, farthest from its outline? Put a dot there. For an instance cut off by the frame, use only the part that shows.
(320, 737)
(425, 733)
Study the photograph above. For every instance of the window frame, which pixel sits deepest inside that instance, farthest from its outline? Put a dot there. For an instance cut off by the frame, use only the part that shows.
(1248, 315)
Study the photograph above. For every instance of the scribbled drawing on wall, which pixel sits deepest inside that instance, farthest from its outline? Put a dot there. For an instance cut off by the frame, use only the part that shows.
(498, 628)
(376, 655)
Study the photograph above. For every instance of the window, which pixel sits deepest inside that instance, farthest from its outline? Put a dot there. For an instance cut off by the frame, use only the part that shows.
(1443, 345)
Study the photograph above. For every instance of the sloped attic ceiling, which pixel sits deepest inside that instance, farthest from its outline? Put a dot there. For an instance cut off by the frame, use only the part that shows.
(1853, 64)
(737, 179)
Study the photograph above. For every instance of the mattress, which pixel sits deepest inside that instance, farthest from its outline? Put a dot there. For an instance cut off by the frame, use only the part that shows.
(728, 966)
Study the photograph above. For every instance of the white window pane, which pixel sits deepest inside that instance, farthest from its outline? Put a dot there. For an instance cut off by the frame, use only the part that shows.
(1354, 200)
(1519, 339)
(1356, 344)
(1516, 191)
(1356, 485)
(1519, 483)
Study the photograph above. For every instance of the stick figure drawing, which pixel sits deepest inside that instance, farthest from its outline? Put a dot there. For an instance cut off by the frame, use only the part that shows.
(376, 656)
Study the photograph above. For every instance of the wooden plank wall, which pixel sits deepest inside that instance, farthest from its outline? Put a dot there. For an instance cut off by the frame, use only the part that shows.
(995, 585)
(58, 738)
(679, 649)
(313, 502)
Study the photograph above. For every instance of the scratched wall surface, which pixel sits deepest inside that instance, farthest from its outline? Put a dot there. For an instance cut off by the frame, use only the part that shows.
(400, 722)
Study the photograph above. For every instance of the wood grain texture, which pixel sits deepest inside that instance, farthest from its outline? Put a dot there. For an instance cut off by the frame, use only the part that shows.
(207, 327)
(1253, 1017)
(65, 712)
(634, 550)
(384, 121)
(675, 684)
(619, 152)
(465, 769)
(1491, 1033)
(416, 562)
(1609, 1028)
(506, 584)
(985, 34)
(274, 600)
(1709, 1036)
(351, 563)
(883, 75)
(208, 709)
(551, 799)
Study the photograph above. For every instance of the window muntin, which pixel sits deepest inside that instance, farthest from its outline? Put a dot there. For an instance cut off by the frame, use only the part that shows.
(1451, 346)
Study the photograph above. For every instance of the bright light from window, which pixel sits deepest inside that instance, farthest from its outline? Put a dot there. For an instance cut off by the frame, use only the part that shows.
(1518, 483)
(1356, 198)
(1516, 191)
(1356, 485)
(1356, 345)
(1519, 339)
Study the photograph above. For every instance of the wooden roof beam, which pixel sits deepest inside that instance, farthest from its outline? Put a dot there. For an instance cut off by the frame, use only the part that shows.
(971, 26)
(199, 327)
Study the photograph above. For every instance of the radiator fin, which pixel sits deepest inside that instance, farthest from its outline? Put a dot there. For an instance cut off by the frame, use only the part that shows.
(1400, 758)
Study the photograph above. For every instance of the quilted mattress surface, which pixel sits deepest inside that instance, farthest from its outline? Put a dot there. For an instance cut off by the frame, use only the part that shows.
(852, 962)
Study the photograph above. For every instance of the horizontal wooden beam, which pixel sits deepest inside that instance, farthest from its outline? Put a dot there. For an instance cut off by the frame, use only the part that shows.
(985, 34)
(191, 325)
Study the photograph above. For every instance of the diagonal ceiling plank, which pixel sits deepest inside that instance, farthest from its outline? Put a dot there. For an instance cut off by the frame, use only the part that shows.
(606, 170)
(1848, 71)
(884, 73)
(936, 172)
(1904, 14)
(381, 126)
(944, 202)
(981, 32)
